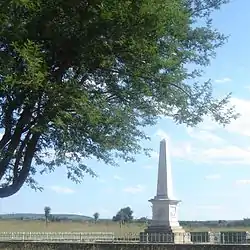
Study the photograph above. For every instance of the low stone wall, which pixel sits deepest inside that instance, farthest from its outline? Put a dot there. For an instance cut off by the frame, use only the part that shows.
(79, 246)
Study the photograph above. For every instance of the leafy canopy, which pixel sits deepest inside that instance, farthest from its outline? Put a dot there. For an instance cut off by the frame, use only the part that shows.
(96, 216)
(47, 211)
(81, 78)
(124, 215)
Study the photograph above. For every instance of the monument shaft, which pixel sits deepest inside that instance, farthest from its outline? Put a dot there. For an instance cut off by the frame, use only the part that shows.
(164, 183)
(164, 205)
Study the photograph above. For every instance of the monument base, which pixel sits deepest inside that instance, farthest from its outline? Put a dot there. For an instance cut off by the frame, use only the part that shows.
(165, 234)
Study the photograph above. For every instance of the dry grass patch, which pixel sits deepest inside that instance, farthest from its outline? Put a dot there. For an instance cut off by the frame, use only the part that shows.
(39, 226)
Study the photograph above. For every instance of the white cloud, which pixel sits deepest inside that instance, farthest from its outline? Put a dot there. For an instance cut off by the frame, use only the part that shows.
(242, 107)
(242, 124)
(221, 153)
(173, 149)
(239, 126)
(229, 155)
(62, 190)
(204, 135)
(223, 80)
(208, 146)
(134, 189)
(117, 177)
(162, 134)
(213, 177)
(243, 182)
(208, 124)
(181, 150)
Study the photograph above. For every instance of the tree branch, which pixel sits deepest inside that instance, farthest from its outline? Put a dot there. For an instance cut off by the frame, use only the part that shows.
(20, 154)
(150, 79)
(24, 173)
(7, 126)
(15, 139)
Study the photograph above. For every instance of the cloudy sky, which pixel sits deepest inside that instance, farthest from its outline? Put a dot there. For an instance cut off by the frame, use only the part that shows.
(210, 164)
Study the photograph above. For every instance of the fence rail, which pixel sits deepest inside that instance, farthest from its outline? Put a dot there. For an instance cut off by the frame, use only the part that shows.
(146, 238)
(58, 236)
(198, 238)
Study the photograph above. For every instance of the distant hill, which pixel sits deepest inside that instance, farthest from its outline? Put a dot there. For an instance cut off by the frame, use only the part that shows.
(33, 216)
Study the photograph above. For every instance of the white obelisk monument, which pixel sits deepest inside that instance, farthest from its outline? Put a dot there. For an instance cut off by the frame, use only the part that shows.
(164, 205)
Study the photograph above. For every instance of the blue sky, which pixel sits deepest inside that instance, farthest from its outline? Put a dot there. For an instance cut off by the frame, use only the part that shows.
(210, 164)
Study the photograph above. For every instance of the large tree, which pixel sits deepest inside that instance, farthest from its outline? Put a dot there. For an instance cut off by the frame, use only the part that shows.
(81, 78)
(124, 215)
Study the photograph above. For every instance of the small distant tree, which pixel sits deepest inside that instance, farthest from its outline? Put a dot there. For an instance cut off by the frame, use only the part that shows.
(96, 216)
(143, 220)
(54, 218)
(124, 215)
(47, 212)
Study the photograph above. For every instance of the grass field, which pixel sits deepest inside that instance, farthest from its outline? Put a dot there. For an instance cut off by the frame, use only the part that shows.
(39, 226)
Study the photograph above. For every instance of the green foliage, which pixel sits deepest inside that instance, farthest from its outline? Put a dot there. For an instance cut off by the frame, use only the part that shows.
(143, 220)
(124, 215)
(47, 211)
(80, 79)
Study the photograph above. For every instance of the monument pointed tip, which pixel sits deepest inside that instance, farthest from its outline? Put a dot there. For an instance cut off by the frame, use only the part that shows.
(164, 140)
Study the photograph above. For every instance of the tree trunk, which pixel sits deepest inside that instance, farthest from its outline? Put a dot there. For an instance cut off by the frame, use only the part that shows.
(17, 183)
